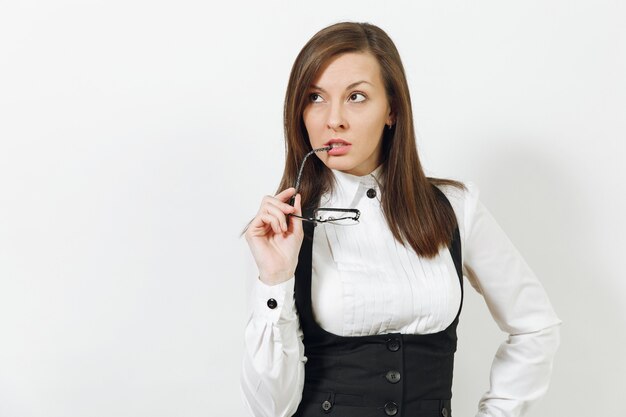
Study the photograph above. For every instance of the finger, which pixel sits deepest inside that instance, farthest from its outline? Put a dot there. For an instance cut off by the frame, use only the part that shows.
(278, 213)
(258, 225)
(284, 207)
(273, 221)
(266, 218)
(285, 194)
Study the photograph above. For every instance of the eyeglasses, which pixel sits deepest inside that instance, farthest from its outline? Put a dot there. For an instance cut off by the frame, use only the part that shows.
(335, 216)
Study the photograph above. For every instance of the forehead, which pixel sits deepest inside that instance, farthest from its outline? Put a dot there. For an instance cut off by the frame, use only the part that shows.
(347, 68)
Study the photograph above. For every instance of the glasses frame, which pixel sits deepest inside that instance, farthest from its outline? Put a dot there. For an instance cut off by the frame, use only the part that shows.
(315, 219)
(355, 212)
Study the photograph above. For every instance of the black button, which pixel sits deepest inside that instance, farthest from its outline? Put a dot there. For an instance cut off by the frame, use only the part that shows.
(326, 405)
(391, 408)
(393, 345)
(444, 412)
(371, 193)
(271, 303)
(393, 376)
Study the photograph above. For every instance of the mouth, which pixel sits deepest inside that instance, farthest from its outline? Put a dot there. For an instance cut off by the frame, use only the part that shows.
(338, 148)
(336, 143)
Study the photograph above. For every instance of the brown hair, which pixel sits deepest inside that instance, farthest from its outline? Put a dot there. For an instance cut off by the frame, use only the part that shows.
(413, 209)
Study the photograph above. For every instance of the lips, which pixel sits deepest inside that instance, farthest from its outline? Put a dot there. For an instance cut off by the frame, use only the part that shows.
(338, 147)
(337, 140)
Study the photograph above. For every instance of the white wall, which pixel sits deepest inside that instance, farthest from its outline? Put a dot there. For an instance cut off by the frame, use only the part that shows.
(138, 137)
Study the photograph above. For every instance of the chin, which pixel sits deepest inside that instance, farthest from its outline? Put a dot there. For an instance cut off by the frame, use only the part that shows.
(340, 163)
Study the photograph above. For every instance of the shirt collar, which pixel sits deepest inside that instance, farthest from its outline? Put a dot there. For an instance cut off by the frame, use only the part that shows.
(350, 188)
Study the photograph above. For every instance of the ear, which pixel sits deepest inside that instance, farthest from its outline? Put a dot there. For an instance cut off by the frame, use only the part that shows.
(391, 117)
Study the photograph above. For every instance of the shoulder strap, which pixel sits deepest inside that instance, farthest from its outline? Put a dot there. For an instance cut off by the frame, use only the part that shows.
(454, 247)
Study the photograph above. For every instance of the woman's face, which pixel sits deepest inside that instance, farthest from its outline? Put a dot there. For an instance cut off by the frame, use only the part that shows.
(347, 100)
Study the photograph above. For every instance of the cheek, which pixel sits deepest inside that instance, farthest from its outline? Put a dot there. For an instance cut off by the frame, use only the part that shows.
(376, 122)
(373, 123)
(372, 130)
(311, 122)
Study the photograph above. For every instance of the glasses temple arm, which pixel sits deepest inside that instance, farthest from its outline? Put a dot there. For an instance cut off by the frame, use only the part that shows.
(297, 186)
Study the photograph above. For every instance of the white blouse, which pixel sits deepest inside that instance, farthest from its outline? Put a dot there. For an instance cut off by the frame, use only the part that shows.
(364, 282)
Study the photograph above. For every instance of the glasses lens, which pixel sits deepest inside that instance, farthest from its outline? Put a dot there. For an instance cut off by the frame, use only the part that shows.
(336, 218)
(346, 221)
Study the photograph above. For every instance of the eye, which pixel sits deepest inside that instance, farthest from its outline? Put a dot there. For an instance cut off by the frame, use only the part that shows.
(313, 97)
(357, 97)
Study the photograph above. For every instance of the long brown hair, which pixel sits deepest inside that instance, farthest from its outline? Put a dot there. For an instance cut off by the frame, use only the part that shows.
(414, 211)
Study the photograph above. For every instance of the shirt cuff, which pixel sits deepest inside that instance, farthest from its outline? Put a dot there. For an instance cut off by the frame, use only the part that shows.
(275, 303)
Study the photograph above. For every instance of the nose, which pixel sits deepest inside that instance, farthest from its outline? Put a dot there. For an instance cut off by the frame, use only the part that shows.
(336, 119)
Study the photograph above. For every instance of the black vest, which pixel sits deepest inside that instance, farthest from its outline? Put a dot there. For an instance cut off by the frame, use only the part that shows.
(393, 374)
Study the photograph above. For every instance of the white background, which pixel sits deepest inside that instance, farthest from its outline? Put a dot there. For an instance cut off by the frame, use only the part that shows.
(138, 137)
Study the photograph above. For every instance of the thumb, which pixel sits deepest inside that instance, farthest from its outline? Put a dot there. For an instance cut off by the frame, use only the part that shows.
(297, 223)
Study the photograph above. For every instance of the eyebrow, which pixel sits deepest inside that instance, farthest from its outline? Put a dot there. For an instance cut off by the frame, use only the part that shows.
(347, 88)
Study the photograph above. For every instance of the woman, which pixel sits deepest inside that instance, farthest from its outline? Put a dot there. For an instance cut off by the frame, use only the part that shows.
(360, 282)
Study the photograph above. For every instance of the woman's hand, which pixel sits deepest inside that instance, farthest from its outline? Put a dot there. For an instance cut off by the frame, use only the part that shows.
(274, 241)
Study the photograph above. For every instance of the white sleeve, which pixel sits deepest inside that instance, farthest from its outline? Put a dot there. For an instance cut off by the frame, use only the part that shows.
(272, 374)
(522, 366)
